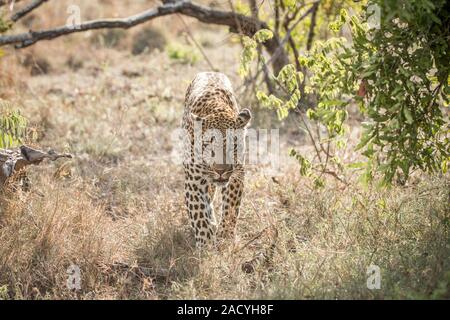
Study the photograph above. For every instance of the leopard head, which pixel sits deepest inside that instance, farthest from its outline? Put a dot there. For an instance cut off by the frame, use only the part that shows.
(222, 143)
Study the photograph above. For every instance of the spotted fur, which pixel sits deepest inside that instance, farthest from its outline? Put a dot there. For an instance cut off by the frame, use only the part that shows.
(210, 102)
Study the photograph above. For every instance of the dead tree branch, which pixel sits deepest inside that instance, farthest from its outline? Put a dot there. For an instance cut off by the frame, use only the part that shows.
(12, 161)
(236, 22)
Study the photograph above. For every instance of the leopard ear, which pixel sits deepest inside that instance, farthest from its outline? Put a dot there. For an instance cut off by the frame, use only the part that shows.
(243, 118)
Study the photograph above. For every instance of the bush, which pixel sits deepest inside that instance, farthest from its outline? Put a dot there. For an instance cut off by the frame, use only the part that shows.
(148, 40)
(183, 54)
(397, 73)
(4, 25)
(110, 38)
(74, 63)
(37, 65)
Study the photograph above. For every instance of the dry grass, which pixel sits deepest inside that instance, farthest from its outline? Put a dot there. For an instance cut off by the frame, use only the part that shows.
(116, 209)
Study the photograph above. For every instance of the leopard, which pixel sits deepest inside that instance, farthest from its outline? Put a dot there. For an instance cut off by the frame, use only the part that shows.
(214, 154)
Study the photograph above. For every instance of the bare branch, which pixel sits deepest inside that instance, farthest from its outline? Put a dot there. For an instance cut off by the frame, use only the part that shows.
(27, 9)
(12, 161)
(277, 17)
(254, 8)
(296, 54)
(309, 42)
(237, 23)
(312, 27)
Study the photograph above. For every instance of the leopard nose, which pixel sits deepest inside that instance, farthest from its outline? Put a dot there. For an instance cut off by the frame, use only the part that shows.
(220, 171)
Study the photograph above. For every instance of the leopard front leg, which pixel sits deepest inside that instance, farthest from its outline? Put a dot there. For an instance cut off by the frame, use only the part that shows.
(199, 205)
(231, 201)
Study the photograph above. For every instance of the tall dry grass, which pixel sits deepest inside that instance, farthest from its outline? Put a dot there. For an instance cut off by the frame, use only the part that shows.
(323, 242)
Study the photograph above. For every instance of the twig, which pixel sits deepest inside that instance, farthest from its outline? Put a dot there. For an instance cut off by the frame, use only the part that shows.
(335, 175)
(311, 137)
(277, 16)
(26, 10)
(296, 54)
(199, 47)
(258, 235)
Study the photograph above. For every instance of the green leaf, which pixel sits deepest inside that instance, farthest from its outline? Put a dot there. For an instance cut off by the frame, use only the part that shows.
(444, 166)
(408, 115)
(263, 35)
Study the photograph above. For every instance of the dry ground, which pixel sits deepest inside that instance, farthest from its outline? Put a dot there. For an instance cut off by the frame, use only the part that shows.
(116, 210)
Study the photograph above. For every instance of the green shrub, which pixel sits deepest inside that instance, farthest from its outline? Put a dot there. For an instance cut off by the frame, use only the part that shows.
(4, 292)
(182, 53)
(4, 25)
(12, 126)
(397, 73)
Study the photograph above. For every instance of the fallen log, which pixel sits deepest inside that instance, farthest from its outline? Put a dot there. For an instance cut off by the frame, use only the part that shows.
(14, 160)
